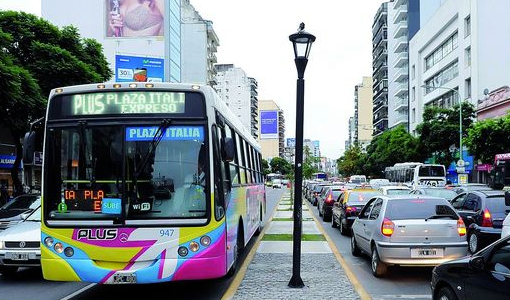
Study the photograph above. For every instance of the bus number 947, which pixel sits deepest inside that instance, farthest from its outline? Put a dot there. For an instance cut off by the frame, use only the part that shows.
(166, 232)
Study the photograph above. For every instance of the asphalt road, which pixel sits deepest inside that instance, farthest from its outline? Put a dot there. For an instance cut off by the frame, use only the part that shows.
(29, 284)
(399, 283)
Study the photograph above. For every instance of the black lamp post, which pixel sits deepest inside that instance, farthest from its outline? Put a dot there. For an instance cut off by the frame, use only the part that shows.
(302, 42)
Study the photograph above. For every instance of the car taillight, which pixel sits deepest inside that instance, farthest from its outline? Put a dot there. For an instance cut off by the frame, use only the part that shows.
(487, 218)
(329, 199)
(461, 227)
(350, 209)
(387, 227)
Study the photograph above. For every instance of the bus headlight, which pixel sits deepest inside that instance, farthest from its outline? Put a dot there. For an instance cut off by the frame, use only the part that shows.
(48, 241)
(59, 248)
(183, 251)
(205, 240)
(68, 251)
(193, 246)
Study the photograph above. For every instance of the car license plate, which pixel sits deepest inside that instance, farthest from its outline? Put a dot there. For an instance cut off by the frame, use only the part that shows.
(19, 256)
(124, 278)
(427, 252)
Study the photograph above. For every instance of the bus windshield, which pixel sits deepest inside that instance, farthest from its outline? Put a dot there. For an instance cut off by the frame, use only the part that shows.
(124, 172)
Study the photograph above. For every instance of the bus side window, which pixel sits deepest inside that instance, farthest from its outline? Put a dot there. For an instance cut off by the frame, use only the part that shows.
(219, 175)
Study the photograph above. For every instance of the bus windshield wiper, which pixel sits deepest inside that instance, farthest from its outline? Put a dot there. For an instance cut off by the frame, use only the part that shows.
(83, 145)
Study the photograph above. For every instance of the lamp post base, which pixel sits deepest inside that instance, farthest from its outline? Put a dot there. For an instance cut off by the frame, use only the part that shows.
(296, 282)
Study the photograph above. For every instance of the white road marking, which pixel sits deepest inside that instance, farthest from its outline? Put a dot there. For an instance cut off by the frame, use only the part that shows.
(78, 292)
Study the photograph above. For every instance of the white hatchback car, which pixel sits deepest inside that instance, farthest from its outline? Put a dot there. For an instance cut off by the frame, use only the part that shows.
(506, 223)
(20, 245)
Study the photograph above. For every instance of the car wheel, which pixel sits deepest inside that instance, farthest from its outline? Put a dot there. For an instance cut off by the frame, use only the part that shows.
(354, 247)
(342, 228)
(319, 209)
(333, 223)
(378, 267)
(445, 293)
(474, 243)
(8, 271)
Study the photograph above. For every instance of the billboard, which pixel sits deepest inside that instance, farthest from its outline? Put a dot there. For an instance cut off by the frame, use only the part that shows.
(268, 124)
(134, 18)
(316, 144)
(291, 142)
(138, 68)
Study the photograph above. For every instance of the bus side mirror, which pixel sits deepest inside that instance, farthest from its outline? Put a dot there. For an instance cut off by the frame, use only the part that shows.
(28, 147)
(507, 198)
(228, 149)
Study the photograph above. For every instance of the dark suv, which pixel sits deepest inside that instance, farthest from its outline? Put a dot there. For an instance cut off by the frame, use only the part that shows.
(483, 213)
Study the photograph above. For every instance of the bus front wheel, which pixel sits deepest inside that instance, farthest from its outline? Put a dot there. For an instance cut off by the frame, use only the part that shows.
(237, 251)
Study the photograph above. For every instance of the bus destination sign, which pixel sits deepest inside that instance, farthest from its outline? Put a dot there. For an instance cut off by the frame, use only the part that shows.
(132, 102)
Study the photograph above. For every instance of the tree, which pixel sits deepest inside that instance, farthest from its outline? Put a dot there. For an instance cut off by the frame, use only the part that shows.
(37, 57)
(489, 137)
(439, 132)
(391, 147)
(352, 161)
(265, 167)
(280, 165)
(309, 163)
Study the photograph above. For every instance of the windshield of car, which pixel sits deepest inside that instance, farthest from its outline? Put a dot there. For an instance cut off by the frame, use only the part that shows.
(497, 204)
(21, 202)
(404, 209)
(131, 172)
(35, 216)
(398, 191)
(443, 193)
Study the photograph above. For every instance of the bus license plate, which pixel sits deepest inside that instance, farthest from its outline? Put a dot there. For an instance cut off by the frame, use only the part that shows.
(19, 256)
(416, 253)
(124, 278)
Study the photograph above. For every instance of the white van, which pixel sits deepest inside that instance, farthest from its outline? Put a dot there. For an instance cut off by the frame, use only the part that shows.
(358, 179)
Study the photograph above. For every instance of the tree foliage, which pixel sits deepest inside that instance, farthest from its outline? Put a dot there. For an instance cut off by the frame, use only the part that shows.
(280, 165)
(489, 137)
(36, 57)
(265, 167)
(352, 162)
(309, 163)
(439, 132)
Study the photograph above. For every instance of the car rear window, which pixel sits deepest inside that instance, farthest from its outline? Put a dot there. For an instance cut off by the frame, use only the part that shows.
(336, 193)
(443, 193)
(497, 204)
(361, 197)
(406, 209)
(398, 192)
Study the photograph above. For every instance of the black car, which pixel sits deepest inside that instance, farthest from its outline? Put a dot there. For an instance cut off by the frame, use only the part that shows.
(347, 207)
(326, 200)
(484, 275)
(471, 187)
(483, 212)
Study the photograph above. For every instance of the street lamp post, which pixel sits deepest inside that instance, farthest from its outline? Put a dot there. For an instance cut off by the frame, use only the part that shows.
(460, 115)
(302, 42)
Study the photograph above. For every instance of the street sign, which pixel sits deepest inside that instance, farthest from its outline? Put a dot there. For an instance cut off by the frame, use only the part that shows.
(463, 178)
(461, 163)
(461, 170)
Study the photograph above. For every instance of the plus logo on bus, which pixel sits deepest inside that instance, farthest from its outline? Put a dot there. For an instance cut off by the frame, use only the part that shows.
(97, 234)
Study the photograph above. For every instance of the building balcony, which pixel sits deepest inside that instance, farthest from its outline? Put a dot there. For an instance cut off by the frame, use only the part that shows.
(402, 90)
(401, 74)
(401, 102)
(400, 14)
(400, 44)
(401, 119)
(401, 59)
(401, 29)
(398, 3)
(382, 65)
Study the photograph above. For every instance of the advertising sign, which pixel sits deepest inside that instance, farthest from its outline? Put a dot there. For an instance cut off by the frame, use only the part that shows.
(291, 142)
(268, 124)
(138, 68)
(316, 144)
(7, 161)
(134, 18)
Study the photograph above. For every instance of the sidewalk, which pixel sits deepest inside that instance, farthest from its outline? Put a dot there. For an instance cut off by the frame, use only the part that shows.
(268, 274)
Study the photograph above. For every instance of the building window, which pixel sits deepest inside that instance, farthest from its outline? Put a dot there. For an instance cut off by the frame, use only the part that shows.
(467, 54)
(467, 87)
(447, 100)
(467, 26)
(413, 72)
(442, 77)
(413, 94)
(413, 115)
(442, 51)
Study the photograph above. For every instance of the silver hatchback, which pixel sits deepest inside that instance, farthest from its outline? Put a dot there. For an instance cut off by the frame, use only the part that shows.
(408, 230)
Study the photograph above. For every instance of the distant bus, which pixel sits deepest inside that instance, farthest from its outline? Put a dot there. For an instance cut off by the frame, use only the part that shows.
(271, 176)
(500, 173)
(146, 183)
(320, 176)
(417, 174)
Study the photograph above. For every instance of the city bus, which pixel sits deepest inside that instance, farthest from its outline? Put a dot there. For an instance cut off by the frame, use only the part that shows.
(500, 172)
(320, 176)
(417, 174)
(146, 183)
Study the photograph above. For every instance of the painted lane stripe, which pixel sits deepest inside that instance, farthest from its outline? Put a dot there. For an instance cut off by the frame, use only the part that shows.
(234, 285)
(83, 289)
(364, 295)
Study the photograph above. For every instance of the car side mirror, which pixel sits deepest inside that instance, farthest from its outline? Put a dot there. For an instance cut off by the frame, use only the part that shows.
(477, 263)
(507, 198)
(228, 150)
(337, 204)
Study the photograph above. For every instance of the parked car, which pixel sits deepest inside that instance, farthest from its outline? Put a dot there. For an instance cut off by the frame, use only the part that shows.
(17, 209)
(277, 183)
(483, 213)
(471, 187)
(442, 192)
(326, 200)
(347, 206)
(484, 275)
(394, 190)
(408, 230)
(20, 245)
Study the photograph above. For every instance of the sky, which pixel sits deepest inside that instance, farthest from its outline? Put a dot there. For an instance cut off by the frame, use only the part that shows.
(254, 36)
